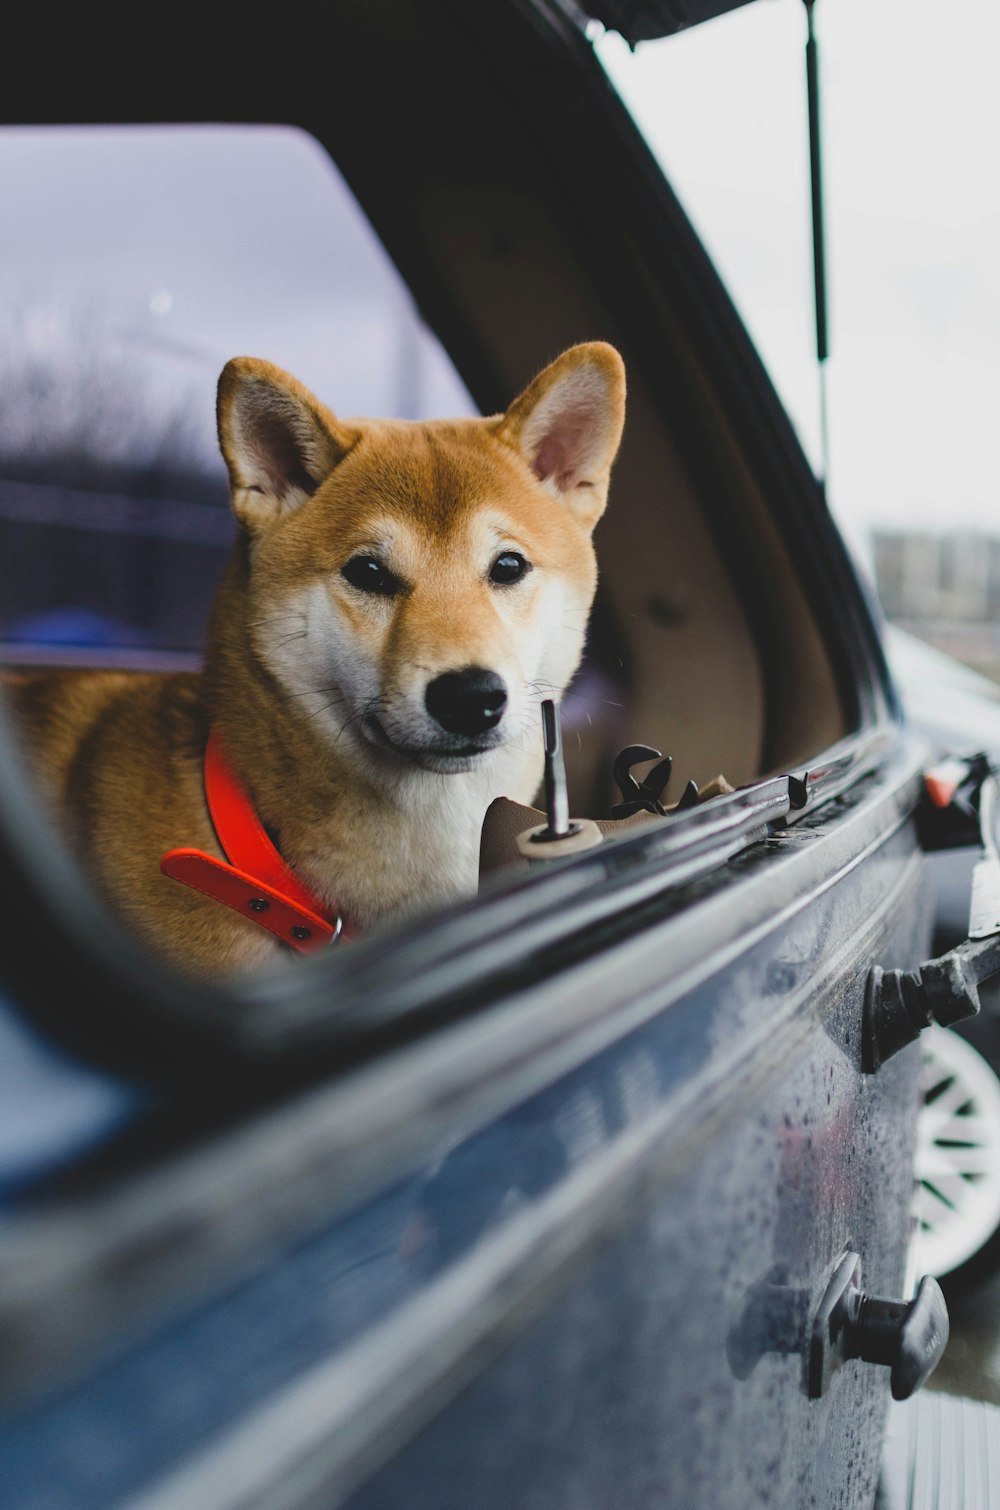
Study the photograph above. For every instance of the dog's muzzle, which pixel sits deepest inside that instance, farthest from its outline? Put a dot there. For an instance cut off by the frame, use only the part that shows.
(467, 702)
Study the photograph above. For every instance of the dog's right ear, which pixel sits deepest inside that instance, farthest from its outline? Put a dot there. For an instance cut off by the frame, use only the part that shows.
(278, 441)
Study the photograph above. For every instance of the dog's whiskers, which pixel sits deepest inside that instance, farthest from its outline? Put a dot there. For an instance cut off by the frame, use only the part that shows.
(318, 692)
(281, 618)
(359, 716)
(326, 708)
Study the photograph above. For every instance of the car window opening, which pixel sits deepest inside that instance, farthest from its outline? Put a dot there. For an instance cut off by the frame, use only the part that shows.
(702, 645)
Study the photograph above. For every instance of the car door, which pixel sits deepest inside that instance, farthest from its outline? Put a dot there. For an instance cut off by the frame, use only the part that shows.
(538, 1200)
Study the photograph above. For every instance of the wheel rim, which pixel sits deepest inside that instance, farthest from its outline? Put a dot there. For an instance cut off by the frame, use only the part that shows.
(956, 1203)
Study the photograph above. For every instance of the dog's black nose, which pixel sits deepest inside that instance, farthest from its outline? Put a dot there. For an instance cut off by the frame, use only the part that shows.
(466, 702)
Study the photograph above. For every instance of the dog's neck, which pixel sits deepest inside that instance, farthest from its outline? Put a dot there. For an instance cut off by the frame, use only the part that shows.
(378, 849)
(397, 840)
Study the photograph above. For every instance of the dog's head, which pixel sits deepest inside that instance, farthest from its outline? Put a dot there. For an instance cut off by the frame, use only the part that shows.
(417, 588)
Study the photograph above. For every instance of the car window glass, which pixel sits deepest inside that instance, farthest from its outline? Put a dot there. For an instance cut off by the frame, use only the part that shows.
(136, 262)
(737, 155)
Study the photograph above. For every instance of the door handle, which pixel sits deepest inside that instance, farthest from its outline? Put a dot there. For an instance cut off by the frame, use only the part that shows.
(909, 1336)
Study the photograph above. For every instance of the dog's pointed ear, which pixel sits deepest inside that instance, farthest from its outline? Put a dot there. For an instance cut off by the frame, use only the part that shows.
(278, 441)
(567, 425)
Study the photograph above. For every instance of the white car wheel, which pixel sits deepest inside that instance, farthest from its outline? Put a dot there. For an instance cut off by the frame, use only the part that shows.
(957, 1163)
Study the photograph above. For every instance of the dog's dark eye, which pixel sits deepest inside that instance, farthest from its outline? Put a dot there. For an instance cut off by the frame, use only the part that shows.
(370, 575)
(508, 568)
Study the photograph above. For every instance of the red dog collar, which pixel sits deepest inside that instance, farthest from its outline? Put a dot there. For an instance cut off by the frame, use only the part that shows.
(256, 883)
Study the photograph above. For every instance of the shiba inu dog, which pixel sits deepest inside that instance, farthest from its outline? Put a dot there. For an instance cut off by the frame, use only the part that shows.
(399, 599)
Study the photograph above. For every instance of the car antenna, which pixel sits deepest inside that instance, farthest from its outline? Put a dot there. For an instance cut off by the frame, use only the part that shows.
(560, 835)
(819, 251)
(556, 799)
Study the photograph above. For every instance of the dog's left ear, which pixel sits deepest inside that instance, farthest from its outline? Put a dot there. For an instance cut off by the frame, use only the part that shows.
(567, 425)
(278, 441)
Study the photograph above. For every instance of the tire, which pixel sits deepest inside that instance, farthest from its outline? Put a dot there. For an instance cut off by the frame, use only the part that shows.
(956, 1205)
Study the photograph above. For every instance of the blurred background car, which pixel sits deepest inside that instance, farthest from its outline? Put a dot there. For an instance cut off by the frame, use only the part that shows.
(957, 1204)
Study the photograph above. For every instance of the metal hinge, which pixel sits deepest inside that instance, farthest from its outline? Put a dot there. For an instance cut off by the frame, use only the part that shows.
(959, 807)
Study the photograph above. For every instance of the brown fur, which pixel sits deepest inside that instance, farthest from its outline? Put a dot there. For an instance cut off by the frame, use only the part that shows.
(361, 817)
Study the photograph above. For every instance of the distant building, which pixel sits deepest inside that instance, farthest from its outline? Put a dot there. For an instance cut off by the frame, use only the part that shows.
(944, 588)
(947, 576)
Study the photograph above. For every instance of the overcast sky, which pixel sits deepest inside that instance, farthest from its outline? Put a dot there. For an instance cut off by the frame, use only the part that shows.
(177, 243)
(912, 164)
(162, 252)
